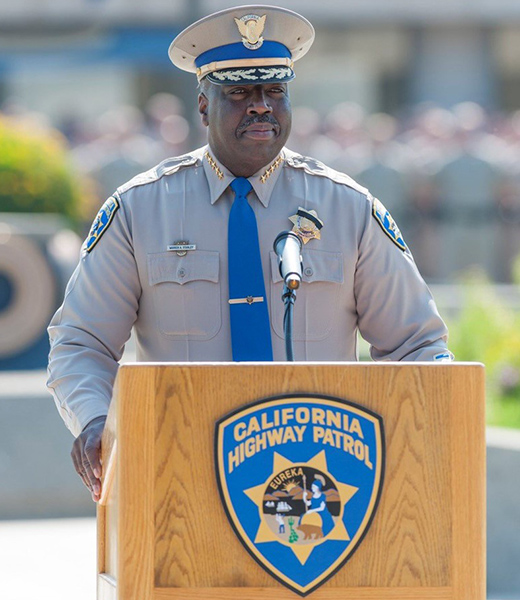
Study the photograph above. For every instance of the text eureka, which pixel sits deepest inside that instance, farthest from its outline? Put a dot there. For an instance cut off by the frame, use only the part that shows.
(329, 427)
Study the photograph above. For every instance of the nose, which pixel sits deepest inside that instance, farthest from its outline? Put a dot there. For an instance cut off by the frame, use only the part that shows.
(259, 104)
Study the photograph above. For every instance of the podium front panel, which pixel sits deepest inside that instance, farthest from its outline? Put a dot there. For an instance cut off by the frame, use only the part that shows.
(172, 539)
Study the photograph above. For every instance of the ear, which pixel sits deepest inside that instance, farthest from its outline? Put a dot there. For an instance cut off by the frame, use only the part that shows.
(203, 108)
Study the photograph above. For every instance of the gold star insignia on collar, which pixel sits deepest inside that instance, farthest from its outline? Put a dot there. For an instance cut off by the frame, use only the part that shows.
(306, 224)
(214, 165)
(268, 172)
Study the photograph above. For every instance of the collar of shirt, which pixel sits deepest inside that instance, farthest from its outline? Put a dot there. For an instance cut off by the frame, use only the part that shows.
(219, 178)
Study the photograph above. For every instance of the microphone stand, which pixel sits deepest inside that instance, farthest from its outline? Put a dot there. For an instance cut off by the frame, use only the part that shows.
(288, 297)
(287, 247)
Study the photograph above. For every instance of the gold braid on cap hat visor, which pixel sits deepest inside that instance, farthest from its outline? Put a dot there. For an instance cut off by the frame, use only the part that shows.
(251, 62)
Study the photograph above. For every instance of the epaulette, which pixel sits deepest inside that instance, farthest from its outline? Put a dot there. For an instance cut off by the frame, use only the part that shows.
(315, 167)
(168, 166)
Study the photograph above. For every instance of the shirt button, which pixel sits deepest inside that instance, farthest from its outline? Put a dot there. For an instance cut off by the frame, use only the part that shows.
(181, 272)
(308, 271)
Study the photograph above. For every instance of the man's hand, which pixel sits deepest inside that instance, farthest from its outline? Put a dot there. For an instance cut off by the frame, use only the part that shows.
(86, 455)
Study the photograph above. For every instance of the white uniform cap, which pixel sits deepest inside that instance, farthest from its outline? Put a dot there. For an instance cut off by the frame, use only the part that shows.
(245, 44)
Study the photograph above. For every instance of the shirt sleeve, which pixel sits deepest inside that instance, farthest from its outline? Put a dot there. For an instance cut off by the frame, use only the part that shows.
(89, 331)
(396, 311)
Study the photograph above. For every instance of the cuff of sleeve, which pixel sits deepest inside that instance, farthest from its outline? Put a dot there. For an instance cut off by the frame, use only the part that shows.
(86, 415)
(429, 354)
(78, 414)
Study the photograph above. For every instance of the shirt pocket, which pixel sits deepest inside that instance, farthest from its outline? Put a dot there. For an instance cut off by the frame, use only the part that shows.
(317, 298)
(186, 293)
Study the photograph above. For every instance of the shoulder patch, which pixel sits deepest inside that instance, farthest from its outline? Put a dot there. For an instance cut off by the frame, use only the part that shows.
(102, 222)
(388, 225)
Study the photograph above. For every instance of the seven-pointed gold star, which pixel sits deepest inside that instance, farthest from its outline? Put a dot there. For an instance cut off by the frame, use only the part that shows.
(305, 228)
(265, 534)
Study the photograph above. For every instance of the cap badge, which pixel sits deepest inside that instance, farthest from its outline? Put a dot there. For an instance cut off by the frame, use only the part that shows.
(306, 224)
(251, 28)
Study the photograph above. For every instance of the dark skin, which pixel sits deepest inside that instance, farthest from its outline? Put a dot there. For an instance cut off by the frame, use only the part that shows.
(247, 125)
(86, 454)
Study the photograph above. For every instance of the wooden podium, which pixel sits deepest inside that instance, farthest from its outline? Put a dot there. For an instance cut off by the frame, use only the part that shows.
(426, 541)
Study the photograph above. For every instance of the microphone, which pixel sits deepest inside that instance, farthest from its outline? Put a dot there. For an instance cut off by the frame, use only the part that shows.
(287, 246)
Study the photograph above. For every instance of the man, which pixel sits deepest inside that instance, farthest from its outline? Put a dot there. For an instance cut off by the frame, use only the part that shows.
(183, 253)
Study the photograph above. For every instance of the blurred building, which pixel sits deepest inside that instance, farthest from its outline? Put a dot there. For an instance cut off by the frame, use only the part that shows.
(382, 54)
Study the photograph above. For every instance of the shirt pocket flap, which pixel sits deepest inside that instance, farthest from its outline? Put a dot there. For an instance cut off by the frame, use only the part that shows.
(318, 265)
(196, 265)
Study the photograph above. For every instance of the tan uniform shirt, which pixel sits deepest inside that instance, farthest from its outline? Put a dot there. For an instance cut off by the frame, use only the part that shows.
(355, 276)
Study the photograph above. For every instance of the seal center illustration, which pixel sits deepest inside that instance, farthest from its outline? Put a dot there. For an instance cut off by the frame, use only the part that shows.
(301, 505)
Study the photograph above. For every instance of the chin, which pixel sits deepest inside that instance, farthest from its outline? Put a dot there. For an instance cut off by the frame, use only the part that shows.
(264, 148)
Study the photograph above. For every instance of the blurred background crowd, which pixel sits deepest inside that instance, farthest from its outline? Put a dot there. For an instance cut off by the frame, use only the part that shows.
(419, 103)
(449, 176)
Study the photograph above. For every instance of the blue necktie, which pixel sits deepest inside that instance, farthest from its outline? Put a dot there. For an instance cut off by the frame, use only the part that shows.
(250, 327)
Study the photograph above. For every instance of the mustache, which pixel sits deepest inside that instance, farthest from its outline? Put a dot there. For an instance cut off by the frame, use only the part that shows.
(258, 119)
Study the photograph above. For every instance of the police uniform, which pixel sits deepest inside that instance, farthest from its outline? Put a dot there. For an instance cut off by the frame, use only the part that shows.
(156, 260)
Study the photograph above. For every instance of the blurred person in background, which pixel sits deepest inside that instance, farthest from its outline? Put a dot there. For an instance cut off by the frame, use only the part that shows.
(116, 148)
(344, 127)
(180, 254)
(426, 138)
(466, 187)
(508, 247)
(385, 173)
(306, 124)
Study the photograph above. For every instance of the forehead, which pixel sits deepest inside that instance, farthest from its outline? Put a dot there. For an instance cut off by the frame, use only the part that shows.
(219, 89)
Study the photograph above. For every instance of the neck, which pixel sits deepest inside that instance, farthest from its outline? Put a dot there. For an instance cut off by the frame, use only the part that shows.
(246, 167)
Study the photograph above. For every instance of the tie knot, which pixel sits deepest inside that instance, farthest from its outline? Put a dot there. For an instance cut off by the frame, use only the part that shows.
(241, 186)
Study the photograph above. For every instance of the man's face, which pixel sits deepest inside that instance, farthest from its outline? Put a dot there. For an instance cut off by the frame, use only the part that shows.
(248, 124)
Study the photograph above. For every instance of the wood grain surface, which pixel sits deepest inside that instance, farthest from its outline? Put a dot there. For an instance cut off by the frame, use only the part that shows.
(135, 484)
(321, 594)
(107, 529)
(174, 539)
(107, 512)
(468, 463)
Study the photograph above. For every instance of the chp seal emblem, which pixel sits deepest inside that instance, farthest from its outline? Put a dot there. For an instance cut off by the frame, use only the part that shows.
(300, 479)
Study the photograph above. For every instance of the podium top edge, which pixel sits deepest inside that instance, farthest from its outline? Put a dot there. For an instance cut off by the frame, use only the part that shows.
(304, 364)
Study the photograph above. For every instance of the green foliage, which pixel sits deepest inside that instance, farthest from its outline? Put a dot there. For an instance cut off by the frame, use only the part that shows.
(488, 330)
(35, 175)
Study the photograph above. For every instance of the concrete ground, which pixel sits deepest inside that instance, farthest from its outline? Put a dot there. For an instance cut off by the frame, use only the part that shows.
(52, 559)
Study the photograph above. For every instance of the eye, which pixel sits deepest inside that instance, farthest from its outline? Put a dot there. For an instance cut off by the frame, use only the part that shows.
(277, 90)
(237, 90)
